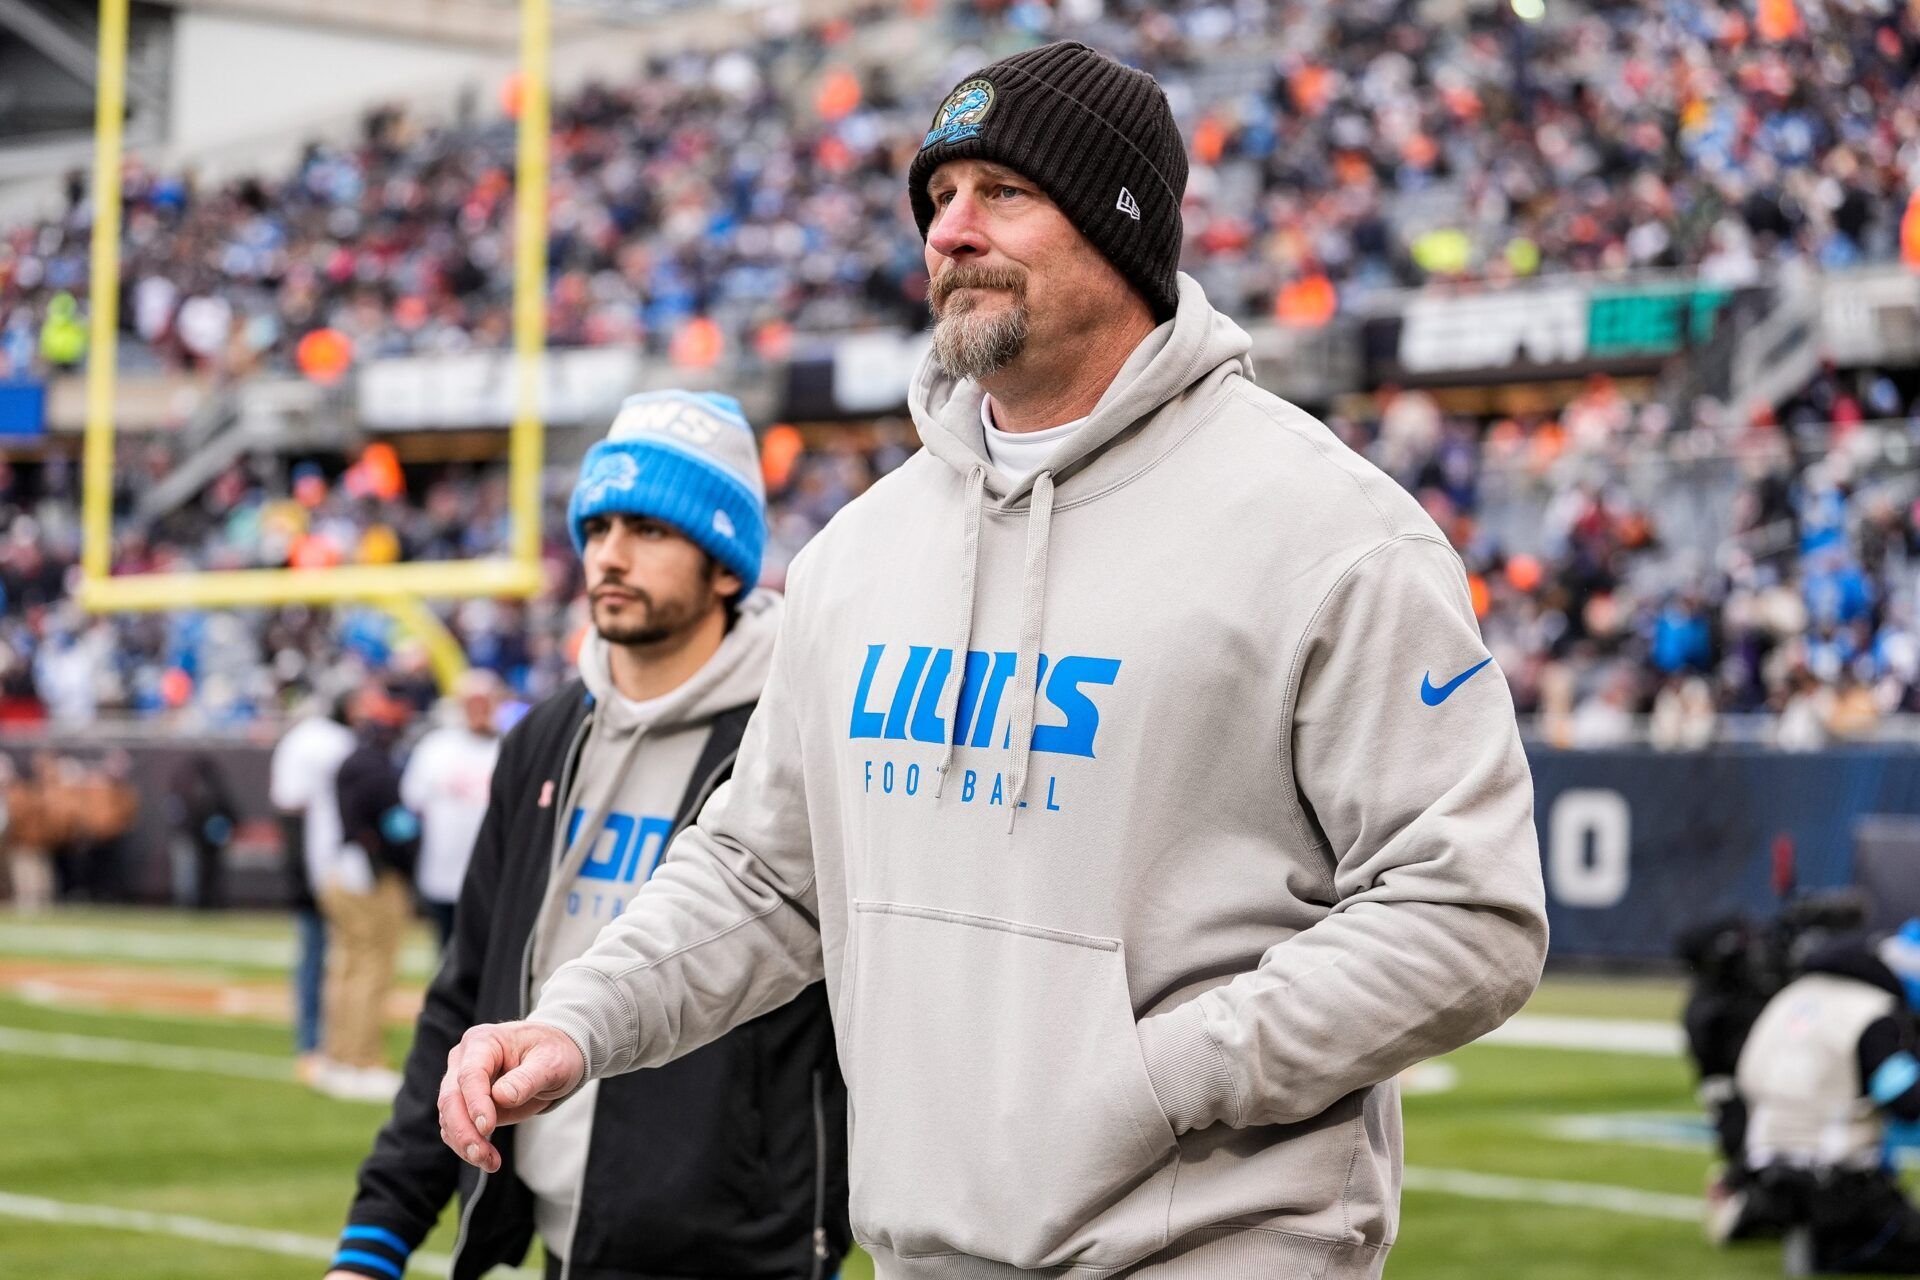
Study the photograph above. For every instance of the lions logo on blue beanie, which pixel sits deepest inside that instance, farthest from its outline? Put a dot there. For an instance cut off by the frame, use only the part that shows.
(687, 459)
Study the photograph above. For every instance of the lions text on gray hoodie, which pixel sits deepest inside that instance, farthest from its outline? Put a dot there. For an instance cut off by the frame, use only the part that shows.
(1145, 817)
(632, 773)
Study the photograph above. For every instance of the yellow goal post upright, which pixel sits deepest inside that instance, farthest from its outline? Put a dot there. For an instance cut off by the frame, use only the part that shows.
(398, 589)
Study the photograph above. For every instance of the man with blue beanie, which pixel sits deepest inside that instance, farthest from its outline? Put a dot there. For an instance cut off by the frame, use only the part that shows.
(733, 1162)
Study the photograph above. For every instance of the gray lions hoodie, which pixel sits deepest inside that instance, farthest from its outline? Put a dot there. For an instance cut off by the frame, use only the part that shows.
(1145, 817)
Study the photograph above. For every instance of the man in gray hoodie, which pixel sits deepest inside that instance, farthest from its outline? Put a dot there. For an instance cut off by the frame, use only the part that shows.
(1130, 769)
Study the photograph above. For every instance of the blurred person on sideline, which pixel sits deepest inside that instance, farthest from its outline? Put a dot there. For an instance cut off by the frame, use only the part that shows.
(446, 782)
(369, 900)
(731, 1162)
(1830, 1060)
(28, 839)
(1087, 1024)
(105, 804)
(202, 815)
(300, 784)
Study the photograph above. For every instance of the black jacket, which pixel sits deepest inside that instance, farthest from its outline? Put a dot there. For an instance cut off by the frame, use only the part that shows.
(730, 1161)
(371, 814)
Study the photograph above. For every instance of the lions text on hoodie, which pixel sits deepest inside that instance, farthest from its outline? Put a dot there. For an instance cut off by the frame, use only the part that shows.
(1145, 815)
(631, 774)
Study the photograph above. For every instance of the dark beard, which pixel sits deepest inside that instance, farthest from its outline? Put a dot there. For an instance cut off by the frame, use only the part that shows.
(662, 620)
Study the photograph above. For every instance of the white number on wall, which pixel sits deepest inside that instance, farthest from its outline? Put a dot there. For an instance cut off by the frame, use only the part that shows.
(1589, 843)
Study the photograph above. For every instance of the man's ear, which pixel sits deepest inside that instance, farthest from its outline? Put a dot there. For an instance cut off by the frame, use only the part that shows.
(726, 583)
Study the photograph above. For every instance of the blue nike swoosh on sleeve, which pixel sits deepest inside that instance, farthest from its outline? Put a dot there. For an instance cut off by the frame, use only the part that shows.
(1434, 697)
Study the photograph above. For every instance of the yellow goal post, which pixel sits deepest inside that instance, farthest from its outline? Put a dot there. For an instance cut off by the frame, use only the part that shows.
(398, 589)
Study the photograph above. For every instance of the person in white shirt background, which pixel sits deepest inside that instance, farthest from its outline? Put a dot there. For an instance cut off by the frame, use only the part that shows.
(300, 784)
(445, 783)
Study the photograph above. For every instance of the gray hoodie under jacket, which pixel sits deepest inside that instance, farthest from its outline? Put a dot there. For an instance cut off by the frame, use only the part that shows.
(1145, 817)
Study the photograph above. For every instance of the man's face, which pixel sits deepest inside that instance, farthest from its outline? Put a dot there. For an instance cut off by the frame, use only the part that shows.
(647, 583)
(1007, 271)
(479, 708)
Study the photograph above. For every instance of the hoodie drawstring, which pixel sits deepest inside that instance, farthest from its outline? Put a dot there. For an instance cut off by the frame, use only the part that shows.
(1026, 688)
(969, 576)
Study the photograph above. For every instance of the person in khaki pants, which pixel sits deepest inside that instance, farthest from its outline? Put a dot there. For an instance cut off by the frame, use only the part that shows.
(367, 902)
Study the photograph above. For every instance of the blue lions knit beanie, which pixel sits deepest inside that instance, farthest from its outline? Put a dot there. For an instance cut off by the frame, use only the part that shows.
(685, 458)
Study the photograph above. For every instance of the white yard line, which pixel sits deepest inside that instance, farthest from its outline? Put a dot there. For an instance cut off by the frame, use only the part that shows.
(142, 1053)
(180, 1227)
(1573, 1195)
(1594, 1035)
(102, 942)
(95, 942)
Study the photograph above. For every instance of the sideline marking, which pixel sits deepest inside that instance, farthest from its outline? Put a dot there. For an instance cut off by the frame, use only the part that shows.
(145, 1053)
(95, 943)
(1594, 1035)
(286, 1243)
(1573, 1195)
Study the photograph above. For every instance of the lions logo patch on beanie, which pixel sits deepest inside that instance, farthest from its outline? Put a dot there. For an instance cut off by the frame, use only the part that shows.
(961, 114)
(611, 473)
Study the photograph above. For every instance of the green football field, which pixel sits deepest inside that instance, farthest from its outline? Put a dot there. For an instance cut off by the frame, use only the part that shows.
(152, 1128)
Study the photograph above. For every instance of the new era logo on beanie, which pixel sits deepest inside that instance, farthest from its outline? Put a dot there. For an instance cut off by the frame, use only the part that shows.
(1082, 127)
(687, 459)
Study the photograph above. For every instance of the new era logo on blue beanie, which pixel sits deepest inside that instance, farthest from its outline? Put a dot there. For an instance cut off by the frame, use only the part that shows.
(687, 459)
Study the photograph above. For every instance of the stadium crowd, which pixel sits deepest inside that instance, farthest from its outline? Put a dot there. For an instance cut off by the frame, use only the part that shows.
(719, 202)
(716, 203)
(1803, 614)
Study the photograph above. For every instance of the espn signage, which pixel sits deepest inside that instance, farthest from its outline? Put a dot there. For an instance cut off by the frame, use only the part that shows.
(1548, 329)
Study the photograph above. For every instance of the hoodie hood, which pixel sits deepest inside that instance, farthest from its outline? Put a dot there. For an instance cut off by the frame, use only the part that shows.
(733, 676)
(1191, 353)
(1197, 346)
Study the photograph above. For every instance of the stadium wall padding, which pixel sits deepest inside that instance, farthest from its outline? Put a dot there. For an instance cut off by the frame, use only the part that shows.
(1638, 844)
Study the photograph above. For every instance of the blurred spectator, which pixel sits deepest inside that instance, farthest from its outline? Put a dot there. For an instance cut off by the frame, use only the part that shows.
(30, 836)
(1604, 718)
(301, 777)
(105, 805)
(1683, 716)
(368, 903)
(62, 808)
(446, 782)
(203, 817)
(1804, 714)
(1852, 714)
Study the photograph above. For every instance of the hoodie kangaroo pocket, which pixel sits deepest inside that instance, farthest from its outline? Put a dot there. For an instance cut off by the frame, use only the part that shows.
(1002, 1108)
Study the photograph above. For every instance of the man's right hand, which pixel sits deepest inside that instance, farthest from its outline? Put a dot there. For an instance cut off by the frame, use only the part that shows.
(502, 1073)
